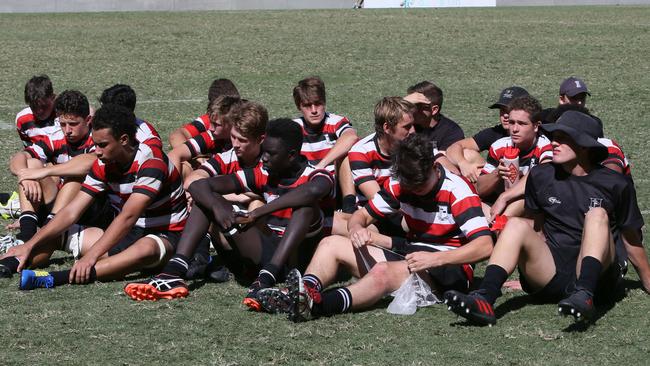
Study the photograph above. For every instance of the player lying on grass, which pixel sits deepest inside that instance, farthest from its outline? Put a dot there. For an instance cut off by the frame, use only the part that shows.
(465, 153)
(582, 219)
(327, 137)
(370, 164)
(218, 88)
(533, 148)
(447, 233)
(128, 176)
(45, 186)
(287, 227)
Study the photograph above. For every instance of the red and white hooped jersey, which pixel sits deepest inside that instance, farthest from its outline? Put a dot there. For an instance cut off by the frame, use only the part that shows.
(151, 173)
(147, 134)
(225, 163)
(52, 146)
(199, 125)
(317, 143)
(616, 155)
(29, 130)
(206, 144)
(541, 152)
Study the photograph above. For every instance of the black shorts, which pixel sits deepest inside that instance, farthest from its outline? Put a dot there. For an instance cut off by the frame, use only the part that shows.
(563, 283)
(451, 277)
(100, 214)
(138, 233)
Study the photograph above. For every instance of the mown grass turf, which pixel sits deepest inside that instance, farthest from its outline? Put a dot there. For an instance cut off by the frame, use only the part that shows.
(170, 59)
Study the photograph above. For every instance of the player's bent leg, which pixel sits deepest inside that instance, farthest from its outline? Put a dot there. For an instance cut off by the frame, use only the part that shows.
(383, 278)
(514, 209)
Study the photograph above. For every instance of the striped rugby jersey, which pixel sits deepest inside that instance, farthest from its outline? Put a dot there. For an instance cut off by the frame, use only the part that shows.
(446, 218)
(206, 144)
(256, 180)
(52, 146)
(152, 174)
(367, 162)
(616, 155)
(541, 152)
(147, 134)
(30, 130)
(199, 125)
(225, 163)
(316, 143)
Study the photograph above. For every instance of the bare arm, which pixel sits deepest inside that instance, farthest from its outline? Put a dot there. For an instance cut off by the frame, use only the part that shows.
(180, 154)
(341, 147)
(456, 154)
(18, 162)
(304, 195)
(369, 189)
(78, 166)
(476, 250)
(178, 137)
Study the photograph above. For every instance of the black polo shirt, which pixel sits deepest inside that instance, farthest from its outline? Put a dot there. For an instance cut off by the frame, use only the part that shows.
(486, 137)
(444, 133)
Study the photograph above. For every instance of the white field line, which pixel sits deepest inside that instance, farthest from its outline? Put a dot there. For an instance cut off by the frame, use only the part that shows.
(153, 101)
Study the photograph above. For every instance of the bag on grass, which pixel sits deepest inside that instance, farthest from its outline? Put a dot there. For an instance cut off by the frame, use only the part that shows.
(413, 293)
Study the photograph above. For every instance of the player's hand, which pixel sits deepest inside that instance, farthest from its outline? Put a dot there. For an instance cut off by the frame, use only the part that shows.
(224, 215)
(246, 219)
(21, 252)
(32, 190)
(80, 272)
(420, 261)
(417, 98)
(469, 170)
(645, 281)
(31, 174)
(360, 237)
(497, 208)
(503, 171)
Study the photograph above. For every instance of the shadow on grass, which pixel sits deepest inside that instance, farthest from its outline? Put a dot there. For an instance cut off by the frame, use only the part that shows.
(604, 305)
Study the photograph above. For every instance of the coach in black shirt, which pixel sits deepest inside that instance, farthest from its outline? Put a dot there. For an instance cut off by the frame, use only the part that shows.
(583, 224)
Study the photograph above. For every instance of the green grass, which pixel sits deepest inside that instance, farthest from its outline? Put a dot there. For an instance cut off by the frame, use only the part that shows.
(362, 55)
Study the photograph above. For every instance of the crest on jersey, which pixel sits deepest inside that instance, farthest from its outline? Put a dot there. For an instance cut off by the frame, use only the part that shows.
(595, 202)
(443, 212)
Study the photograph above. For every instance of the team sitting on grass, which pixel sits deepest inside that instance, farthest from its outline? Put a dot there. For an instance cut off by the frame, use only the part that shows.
(554, 198)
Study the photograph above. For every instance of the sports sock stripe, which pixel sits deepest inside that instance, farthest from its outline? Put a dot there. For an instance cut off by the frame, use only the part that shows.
(265, 272)
(180, 261)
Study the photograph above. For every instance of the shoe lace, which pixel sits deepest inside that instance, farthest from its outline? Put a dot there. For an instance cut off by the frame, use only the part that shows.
(313, 293)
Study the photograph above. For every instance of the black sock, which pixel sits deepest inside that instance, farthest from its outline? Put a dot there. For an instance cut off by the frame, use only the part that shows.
(313, 281)
(63, 277)
(177, 266)
(11, 263)
(335, 301)
(349, 204)
(589, 272)
(494, 278)
(203, 248)
(28, 225)
(268, 275)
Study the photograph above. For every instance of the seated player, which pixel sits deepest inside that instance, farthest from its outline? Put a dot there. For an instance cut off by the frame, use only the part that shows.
(370, 162)
(39, 96)
(218, 88)
(447, 233)
(327, 137)
(569, 247)
(213, 141)
(573, 91)
(534, 148)
(128, 176)
(429, 120)
(465, 153)
(41, 161)
(286, 228)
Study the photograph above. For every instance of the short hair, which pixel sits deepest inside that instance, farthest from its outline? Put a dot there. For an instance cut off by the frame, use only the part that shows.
(309, 90)
(120, 94)
(38, 87)
(286, 130)
(429, 90)
(119, 119)
(390, 110)
(72, 102)
(526, 103)
(249, 118)
(221, 88)
(413, 161)
(220, 107)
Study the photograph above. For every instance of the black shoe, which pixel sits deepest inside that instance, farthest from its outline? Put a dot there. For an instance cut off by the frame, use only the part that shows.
(579, 304)
(472, 307)
(198, 266)
(275, 301)
(251, 300)
(5, 272)
(218, 274)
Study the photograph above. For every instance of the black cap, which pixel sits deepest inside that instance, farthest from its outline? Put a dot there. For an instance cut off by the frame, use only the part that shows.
(508, 95)
(573, 86)
(583, 129)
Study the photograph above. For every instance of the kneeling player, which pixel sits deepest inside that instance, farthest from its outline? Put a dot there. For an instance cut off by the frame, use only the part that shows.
(584, 217)
(447, 232)
(289, 223)
(138, 179)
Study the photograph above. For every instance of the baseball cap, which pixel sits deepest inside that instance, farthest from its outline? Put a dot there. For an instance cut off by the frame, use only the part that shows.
(508, 95)
(573, 86)
(582, 128)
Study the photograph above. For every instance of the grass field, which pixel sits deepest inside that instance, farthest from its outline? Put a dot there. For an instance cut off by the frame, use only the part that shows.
(170, 59)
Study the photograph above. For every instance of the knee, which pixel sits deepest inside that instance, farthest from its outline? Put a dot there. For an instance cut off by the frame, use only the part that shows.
(333, 244)
(597, 215)
(518, 223)
(380, 275)
(148, 250)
